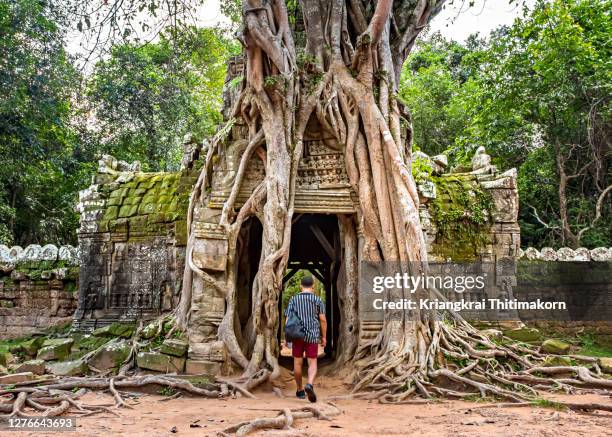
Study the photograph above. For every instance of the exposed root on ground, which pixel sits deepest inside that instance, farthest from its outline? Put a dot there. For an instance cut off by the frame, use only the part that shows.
(458, 361)
(284, 420)
(53, 397)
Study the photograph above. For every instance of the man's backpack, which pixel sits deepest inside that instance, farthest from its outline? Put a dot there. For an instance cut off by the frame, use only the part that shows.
(294, 328)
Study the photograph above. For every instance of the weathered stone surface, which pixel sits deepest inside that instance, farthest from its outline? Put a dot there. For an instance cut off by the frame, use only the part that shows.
(3, 370)
(555, 361)
(110, 356)
(553, 346)
(6, 358)
(55, 349)
(160, 362)
(177, 348)
(523, 334)
(115, 330)
(495, 334)
(533, 254)
(566, 254)
(31, 347)
(149, 331)
(16, 378)
(481, 160)
(37, 367)
(209, 351)
(548, 254)
(202, 367)
(605, 364)
(67, 368)
(601, 254)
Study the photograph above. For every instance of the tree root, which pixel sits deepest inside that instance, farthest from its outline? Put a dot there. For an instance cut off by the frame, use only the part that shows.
(457, 355)
(284, 420)
(55, 397)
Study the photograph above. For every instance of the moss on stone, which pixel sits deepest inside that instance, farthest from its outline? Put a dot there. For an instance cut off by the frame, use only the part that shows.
(461, 215)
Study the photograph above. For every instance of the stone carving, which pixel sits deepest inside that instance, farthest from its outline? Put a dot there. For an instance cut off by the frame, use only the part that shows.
(566, 254)
(192, 149)
(582, 254)
(601, 254)
(533, 254)
(32, 253)
(49, 252)
(70, 254)
(211, 247)
(427, 190)
(10, 257)
(481, 160)
(548, 254)
(110, 164)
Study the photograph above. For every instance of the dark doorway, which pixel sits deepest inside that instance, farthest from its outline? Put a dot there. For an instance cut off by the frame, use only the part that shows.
(315, 247)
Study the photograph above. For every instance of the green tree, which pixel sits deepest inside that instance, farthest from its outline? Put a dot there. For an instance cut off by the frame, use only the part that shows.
(37, 81)
(145, 98)
(544, 102)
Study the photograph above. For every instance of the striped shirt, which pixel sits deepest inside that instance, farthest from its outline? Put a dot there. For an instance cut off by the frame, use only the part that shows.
(307, 306)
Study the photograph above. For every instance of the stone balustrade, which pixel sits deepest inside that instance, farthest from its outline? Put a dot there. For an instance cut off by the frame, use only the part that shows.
(38, 287)
(599, 254)
(11, 257)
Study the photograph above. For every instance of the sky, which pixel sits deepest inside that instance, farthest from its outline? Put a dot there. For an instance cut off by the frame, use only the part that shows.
(456, 21)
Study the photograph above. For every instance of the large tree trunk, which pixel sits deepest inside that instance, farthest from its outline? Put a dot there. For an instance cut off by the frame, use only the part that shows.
(346, 78)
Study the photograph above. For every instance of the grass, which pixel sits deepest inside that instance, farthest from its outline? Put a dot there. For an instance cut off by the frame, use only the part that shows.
(589, 347)
(545, 403)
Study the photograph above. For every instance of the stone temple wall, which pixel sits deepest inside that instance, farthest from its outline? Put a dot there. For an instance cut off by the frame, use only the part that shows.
(38, 288)
(132, 240)
(580, 277)
(469, 215)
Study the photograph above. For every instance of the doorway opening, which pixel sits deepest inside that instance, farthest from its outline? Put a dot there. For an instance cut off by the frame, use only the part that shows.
(316, 250)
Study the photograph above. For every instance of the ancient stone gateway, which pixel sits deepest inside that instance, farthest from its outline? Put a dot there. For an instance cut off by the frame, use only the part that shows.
(134, 229)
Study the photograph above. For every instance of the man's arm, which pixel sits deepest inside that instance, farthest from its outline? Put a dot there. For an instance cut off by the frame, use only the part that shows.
(323, 321)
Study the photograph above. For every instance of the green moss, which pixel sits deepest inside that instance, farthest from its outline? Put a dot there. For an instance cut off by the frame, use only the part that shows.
(111, 213)
(460, 213)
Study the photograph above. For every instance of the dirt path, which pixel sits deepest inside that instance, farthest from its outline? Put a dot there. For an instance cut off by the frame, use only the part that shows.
(204, 417)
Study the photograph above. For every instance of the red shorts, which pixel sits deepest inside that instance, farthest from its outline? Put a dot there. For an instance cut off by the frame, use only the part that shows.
(298, 347)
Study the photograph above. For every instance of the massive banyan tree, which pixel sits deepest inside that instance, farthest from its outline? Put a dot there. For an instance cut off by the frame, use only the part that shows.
(342, 69)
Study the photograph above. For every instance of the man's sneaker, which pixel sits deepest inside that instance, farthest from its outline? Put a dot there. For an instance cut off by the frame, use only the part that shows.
(312, 397)
(300, 394)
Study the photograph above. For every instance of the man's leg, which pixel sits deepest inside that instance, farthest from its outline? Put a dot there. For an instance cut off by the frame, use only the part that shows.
(312, 370)
(297, 371)
(312, 350)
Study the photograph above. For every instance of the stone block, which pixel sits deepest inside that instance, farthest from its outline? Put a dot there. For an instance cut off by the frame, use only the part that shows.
(159, 362)
(55, 349)
(115, 330)
(557, 347)
(523, 334)
(605, 363)
(110, 356)
(37, 367)
(67, 368)
(31, 347)
(16, 378)
(6, 358)
(128, 211)
(177, 348)
(202, 367)
(555, 361)
(111, 213)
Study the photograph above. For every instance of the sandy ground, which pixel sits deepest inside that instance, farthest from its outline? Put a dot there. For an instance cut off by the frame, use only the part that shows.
(188, 416)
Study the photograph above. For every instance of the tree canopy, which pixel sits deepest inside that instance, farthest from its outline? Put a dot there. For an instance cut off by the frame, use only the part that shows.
(536, 95)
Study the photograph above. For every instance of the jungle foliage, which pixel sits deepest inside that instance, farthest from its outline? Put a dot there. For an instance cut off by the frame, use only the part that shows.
(136, 103)
(537, 96)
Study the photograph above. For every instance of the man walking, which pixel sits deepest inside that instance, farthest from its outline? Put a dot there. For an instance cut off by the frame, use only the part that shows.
(309, 308)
